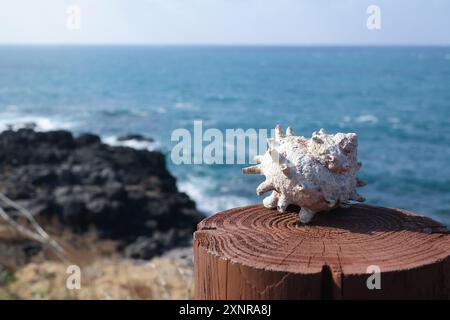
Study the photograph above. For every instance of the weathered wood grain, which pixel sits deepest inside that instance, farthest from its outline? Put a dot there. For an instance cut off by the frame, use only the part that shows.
(256, 253)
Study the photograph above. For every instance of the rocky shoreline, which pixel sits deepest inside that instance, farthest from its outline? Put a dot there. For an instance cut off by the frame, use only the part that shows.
(80, 183)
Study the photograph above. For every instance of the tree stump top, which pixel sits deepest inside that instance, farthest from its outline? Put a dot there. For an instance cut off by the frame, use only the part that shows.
(346, 241)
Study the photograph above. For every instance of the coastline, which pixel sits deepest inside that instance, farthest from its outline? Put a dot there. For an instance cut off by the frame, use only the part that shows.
(112, 208)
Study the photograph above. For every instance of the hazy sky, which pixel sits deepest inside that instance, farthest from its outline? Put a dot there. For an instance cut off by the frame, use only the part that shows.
(226, 22)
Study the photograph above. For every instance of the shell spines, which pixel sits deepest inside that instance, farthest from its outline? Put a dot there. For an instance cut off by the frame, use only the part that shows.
(317, 174)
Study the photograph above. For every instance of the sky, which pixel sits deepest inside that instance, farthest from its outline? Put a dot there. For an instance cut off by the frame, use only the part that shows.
(225, 22)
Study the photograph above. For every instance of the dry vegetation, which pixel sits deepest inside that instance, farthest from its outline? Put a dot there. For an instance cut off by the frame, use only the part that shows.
(104, 273)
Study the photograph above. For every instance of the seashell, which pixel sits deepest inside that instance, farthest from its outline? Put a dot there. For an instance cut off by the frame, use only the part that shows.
(317, 174)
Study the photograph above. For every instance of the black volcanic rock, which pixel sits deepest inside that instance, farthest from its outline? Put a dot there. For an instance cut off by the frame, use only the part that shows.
(126, 194)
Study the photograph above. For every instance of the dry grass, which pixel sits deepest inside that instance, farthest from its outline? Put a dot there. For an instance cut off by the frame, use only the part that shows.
(160, 278)
(105, 274)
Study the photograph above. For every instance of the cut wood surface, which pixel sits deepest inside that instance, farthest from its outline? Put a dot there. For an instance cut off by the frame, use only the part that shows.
(256, 253)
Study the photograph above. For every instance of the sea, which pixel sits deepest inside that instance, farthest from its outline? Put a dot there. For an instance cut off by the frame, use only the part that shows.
(397, 99)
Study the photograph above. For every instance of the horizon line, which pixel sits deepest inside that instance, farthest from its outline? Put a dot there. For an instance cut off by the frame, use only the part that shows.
(291, 45)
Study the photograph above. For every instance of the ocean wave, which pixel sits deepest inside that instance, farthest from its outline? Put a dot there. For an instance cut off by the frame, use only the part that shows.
(123, 113)
(161, 110)
(394, 122)
(362, 119)
(366, 118)
(185, 106)
(38, 123)
(221, 98)
(200, 190)
(132, 143)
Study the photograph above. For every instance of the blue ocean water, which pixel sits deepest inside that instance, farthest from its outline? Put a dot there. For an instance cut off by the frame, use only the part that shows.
(397, 99)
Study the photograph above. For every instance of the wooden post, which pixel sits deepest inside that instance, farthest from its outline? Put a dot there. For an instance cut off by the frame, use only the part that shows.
(257, 253)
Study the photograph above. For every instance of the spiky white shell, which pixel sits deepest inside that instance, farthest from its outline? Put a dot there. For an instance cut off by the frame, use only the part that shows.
(316, 174)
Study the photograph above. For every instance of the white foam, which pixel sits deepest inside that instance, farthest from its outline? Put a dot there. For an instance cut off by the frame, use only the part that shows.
(161, 110)
(184, 106)
(132, 143)
(366, 118)
(199, 189)
(16, 122)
